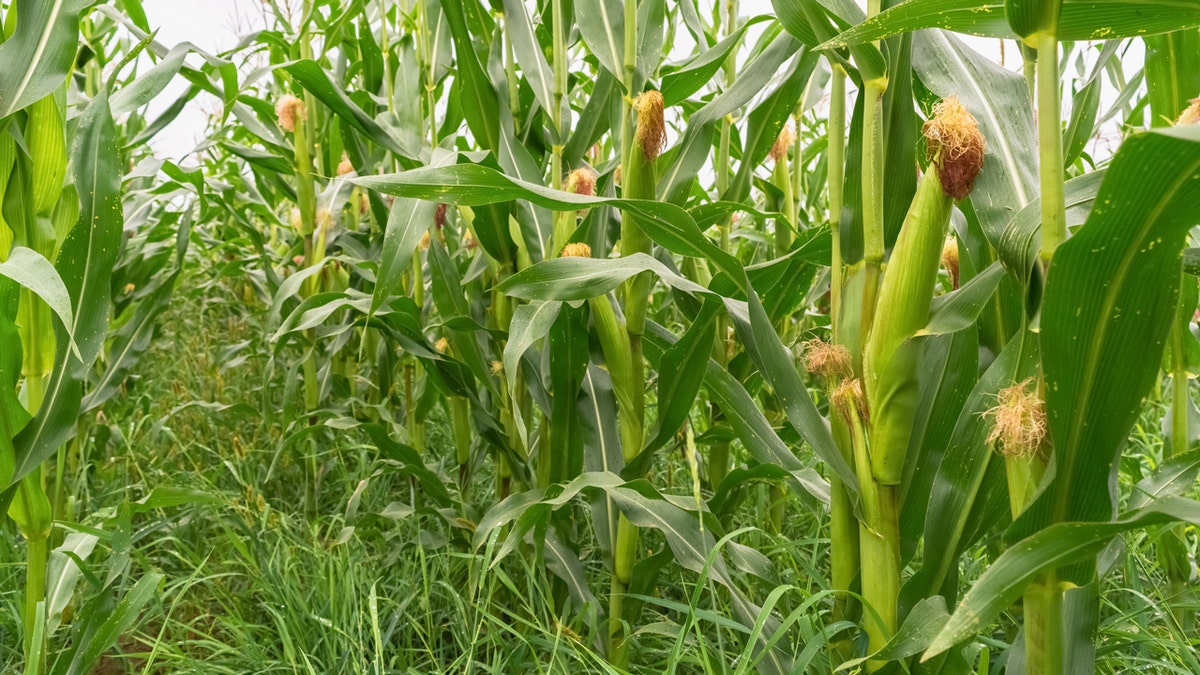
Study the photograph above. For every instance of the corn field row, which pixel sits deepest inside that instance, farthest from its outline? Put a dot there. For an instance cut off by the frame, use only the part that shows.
(694, 336)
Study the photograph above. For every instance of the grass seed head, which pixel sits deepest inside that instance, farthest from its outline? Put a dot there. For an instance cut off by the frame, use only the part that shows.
(955, 146)
(423, 245)
(345, 166)
(497, 367)
(651, 134)
(468, 240)
(1018, 421)
(289, 110)
(1191, 115)
(442, 345)
(297, 220)
(831, 362)
(783, 142)
(439, 216)
(577, 250)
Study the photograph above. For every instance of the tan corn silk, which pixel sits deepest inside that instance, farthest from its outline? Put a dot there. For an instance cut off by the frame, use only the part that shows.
(1018, 421)
(955, 145)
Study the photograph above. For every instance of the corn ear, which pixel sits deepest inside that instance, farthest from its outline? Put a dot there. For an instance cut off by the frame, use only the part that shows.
(46, 135)
(890, 358)
(639, 180)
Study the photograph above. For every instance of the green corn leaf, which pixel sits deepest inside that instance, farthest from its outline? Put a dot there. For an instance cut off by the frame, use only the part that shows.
(602, 25)
(958, 310)
(150, 84)
(951, 367)
(680, 375)
(530, 56)
(1078, 20)
(1027, 17)
(479, 100)
(749, 425)
(1172, 73)
(63, 573)
(568, 353)
(651, 22)
(680, 83)
(40, 54)
(602, 448)
(314, 79)
(766, 121)
(29, 269)
(566, 564)
(408, 219)
(675, 181)
(474, 185)
(1058, 545)
(1109, 302)
(778, 367)
(1083, 118)
(86, 260)
(582, 278)
(451, 302)
(13, 415)
(1021, 237)
(130, 342)
(967, 473)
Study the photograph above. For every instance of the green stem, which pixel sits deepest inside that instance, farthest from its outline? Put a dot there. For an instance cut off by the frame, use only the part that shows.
(619, 357)
(1179, 391)
(37, 554)
(843, 526)
(879, 542)
(836, 157)
(872, 192)
(1172, 549)
(782, 178)
(388, 79)
(1043, 626)
(460, 418)
(1054, 218)
(33, 505)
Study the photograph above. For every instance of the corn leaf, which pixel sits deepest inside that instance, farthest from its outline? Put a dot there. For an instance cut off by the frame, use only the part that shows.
(1079, 19)
(1172, 73)
(1110, 298)
(1058, 545)
(40, 54)
(86, 261)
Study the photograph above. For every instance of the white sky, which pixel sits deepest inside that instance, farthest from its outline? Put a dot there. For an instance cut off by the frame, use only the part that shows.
(211, 25)
(214, 25)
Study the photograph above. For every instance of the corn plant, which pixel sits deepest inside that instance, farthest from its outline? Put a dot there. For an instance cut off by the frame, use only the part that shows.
(65, 243)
